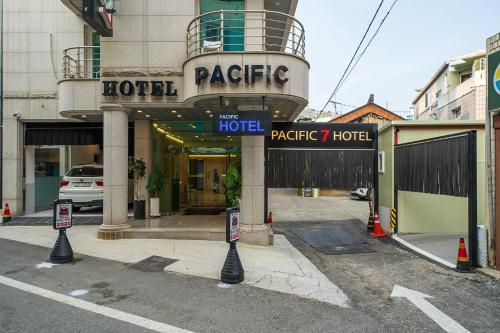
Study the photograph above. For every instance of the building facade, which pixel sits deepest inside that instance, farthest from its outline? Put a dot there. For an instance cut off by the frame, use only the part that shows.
(143, 80)
(456, 91)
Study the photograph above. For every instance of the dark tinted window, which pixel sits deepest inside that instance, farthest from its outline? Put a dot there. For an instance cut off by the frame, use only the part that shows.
(85, 172)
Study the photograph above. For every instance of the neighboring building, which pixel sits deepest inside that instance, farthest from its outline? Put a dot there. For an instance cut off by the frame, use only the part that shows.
(456, 91)
(368, 113)
(310, 114)
(144, 82)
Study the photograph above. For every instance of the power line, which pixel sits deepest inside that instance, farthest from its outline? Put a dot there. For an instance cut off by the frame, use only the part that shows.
(353, 56)
(368, 44)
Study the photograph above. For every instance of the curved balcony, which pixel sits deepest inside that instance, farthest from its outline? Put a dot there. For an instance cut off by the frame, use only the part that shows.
(81, 62)
(79, 87)
(245, 30)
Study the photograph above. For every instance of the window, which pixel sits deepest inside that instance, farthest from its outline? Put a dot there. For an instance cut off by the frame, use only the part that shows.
(457, 112)
(465, 76)
(85, 171)
(231, 26)
(428, 98)
(381, 162)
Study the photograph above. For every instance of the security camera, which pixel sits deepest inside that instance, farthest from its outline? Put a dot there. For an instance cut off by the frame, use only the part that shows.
(16, 115)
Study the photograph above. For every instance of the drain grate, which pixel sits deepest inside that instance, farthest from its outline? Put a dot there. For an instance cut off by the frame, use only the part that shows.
(152, 264)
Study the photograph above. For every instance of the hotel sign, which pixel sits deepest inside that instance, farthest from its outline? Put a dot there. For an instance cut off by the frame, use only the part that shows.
(242, 123)
(323, 135)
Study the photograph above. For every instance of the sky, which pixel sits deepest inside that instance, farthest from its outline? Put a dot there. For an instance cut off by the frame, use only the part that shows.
(415, 40)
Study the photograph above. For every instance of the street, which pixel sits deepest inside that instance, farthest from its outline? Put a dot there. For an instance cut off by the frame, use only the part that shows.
(201, 305)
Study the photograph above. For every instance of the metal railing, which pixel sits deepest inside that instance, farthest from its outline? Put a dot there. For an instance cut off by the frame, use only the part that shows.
(81, 62)
(245, 30)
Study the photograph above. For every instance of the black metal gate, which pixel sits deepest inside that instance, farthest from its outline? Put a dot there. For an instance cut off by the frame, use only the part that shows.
(323, 155)
(445, 165)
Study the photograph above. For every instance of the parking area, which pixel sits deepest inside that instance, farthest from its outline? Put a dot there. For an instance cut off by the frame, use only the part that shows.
(286, 205)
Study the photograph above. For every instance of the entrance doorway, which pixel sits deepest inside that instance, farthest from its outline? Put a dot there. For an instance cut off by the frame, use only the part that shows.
(193, 164)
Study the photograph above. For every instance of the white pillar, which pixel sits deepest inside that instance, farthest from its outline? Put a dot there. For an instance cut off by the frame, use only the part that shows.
(29, 171)
(143, 149)
(115, 206)
(253, 229)
(12, 159)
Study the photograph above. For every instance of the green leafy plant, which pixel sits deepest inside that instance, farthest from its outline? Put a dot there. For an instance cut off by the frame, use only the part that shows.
(233, 184)
(137, 168)
(155, 184)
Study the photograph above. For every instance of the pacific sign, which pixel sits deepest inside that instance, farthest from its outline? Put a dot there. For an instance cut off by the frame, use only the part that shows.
(242, 123)
(321, 135)
(235, 74)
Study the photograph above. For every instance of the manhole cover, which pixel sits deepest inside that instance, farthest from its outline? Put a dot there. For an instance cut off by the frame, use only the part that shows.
(153, 264)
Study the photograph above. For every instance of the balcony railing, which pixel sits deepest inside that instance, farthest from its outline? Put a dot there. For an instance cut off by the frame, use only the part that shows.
(81, 62)
(245, 30)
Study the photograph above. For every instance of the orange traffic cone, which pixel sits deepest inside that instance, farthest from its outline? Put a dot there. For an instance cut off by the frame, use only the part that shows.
(462, 258)
(270, 218)
(377, 228)
(6, 214)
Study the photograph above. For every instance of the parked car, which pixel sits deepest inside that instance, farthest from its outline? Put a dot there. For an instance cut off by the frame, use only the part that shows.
(362, 193)
(83, 184)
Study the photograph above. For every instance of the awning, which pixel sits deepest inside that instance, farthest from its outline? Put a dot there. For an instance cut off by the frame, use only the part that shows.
(55, 134)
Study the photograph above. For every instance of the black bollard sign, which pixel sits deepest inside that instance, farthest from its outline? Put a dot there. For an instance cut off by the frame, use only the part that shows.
(232, 271)
(62, 219)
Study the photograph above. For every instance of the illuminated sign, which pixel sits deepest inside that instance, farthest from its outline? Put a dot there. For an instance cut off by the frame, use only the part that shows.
(235, 74)
(323, 135)
(242, 123)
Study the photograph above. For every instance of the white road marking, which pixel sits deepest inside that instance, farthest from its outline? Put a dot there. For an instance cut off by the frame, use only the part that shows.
(423, 252)
(45, 265)
(418, 298)
(89, 306)
(78, 292)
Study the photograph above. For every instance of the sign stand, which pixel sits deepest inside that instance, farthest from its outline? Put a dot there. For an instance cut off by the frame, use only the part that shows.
(232, 271)
(62, 219)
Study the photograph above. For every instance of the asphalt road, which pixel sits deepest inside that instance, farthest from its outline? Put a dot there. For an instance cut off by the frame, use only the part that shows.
(471, 299)
(200, 305)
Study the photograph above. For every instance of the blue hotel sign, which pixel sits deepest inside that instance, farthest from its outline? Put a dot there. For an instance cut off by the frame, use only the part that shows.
(242, 123)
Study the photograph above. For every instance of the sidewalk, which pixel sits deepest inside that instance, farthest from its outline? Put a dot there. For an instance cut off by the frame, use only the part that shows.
(279, 268)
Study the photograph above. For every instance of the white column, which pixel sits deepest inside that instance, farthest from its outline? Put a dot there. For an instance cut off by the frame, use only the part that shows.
(253, 229)
(115, 206)
(142, 149)
(12, 158)
(29, 171)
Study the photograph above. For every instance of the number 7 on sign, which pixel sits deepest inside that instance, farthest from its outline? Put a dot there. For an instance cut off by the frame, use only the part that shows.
(325, 134)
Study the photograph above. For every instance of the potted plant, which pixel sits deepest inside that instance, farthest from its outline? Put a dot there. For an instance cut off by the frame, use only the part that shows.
(233, 185)
(154, 186)
(137, 168)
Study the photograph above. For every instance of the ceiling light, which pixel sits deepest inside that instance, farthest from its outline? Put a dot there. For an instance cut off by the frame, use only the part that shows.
(173, 111)
(275, 116)
(84, 116)
(179, 116)
(196, 136)
(147, 116)
(139, 111)
(211, 116)
(169, 127)
(208, 111)
(277, 111)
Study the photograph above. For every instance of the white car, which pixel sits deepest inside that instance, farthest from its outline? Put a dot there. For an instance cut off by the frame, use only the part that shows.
(83, 184)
